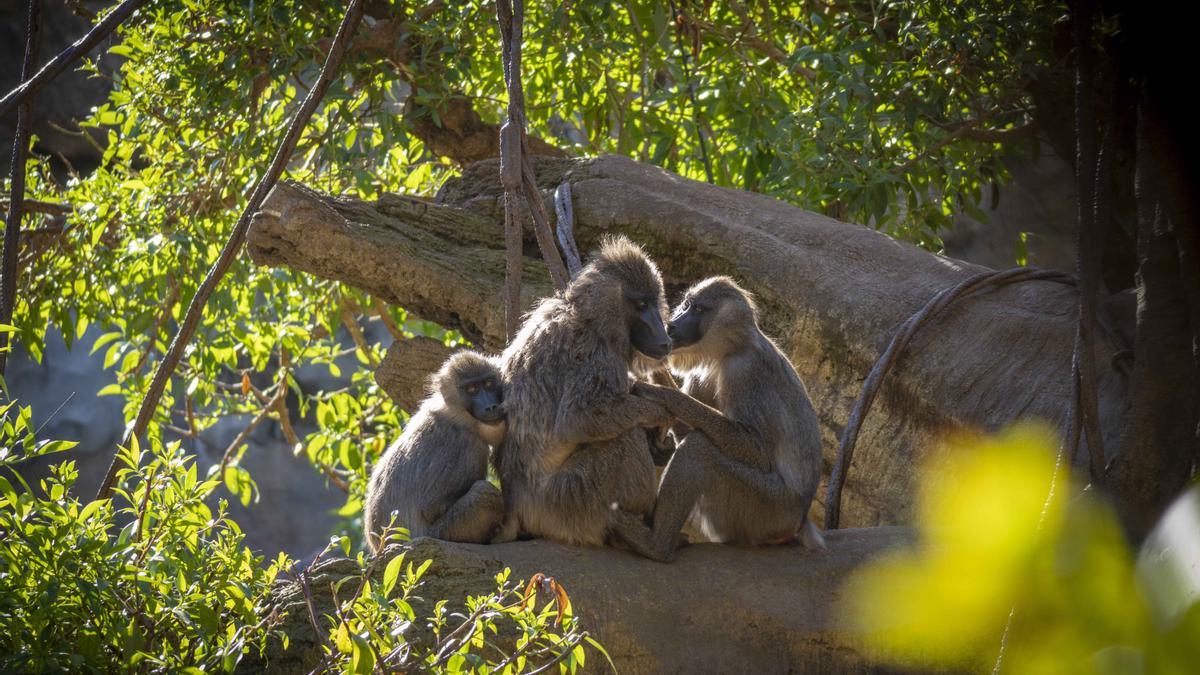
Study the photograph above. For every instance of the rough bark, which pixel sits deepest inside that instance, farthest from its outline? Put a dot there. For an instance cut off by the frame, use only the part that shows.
(831, 293)
(715, 609)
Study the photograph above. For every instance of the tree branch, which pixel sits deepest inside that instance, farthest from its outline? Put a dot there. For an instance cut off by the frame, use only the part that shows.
(16, 206)
(31, 85)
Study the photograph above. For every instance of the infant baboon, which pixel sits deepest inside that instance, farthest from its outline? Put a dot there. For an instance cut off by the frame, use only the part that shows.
(748, 471)
(575, 465)
(434, 477)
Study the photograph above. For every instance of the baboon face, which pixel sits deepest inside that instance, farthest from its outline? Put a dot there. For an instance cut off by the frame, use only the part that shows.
(483, 398)
(706, 306)
(622, 283)
(472, 382)
(647, 333)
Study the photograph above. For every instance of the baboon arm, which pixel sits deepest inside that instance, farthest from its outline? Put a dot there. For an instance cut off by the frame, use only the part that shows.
(605, 420)
(731, 436)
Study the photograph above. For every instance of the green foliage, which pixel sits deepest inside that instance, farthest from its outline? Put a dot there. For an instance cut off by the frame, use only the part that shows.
(155, 580)
(501, 632)
(1009, 556)
(151, 579)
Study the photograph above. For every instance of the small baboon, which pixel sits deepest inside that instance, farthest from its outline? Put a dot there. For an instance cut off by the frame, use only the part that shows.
(434, 477)
(748, 469)
(575, 465)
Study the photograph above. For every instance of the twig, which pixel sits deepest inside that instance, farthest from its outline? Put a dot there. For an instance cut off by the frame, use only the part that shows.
(196, 309)
(899, 341)
(30, 85)
(16, 201)
(516, 172)
(39, 206)
(308, 600)
(159, 322)
(561, 655)
(566, 228)
(355, 331)
(381, 311)
(241, 438)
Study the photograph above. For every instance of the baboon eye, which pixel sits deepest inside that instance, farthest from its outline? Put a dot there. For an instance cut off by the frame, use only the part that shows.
(490, 384)
(698, 309)
(472, 389)
(639, 305)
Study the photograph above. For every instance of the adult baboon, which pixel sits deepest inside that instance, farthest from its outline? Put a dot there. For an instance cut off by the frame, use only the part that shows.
(748, 471)
(434, 477)
(575, 465)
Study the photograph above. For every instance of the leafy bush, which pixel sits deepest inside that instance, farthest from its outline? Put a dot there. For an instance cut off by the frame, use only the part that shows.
(155, 580)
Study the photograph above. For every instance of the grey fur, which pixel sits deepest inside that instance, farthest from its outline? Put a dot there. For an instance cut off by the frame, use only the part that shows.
(747, 469)
(575, 465)
(434, 476)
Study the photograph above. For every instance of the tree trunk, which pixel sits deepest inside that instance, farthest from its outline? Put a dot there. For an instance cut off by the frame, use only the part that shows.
(831, 294)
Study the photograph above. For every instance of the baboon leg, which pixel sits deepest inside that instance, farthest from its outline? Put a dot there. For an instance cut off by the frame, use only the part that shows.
(508, 530)
(687, 475)
(474, 518)
(697, 467)
(630, 529)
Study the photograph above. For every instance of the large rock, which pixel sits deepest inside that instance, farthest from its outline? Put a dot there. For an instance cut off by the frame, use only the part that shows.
(716, 609)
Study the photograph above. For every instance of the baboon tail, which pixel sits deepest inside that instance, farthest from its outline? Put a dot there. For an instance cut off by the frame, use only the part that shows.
(810, 537)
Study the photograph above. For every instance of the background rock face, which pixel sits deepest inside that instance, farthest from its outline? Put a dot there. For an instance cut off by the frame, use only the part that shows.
(295, 512)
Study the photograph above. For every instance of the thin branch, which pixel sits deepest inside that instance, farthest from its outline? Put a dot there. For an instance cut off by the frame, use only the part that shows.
(20, 152)
(566, 228)
(1088, 169)
(355, 331)
(899, 341)
(971, 131)
(516, 173)
(38, 206)
(31, 85)
(385, 316)
(196, 309)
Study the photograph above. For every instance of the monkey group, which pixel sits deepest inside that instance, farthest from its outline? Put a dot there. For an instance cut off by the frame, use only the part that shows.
(574, 413)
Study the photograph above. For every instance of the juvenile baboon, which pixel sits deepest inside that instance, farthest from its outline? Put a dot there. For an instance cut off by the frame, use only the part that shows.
(434, 477)
(748, 470)
(575, 465)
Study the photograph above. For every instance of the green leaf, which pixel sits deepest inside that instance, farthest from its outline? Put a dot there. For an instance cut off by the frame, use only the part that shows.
(391, 573)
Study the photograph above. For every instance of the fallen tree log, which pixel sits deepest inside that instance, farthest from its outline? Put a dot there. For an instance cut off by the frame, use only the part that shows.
(831, 293)
(715, 609)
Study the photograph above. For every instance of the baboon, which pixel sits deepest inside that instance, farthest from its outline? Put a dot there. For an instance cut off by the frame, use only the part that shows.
(434, 477)
(575, 465)
(747, 471)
